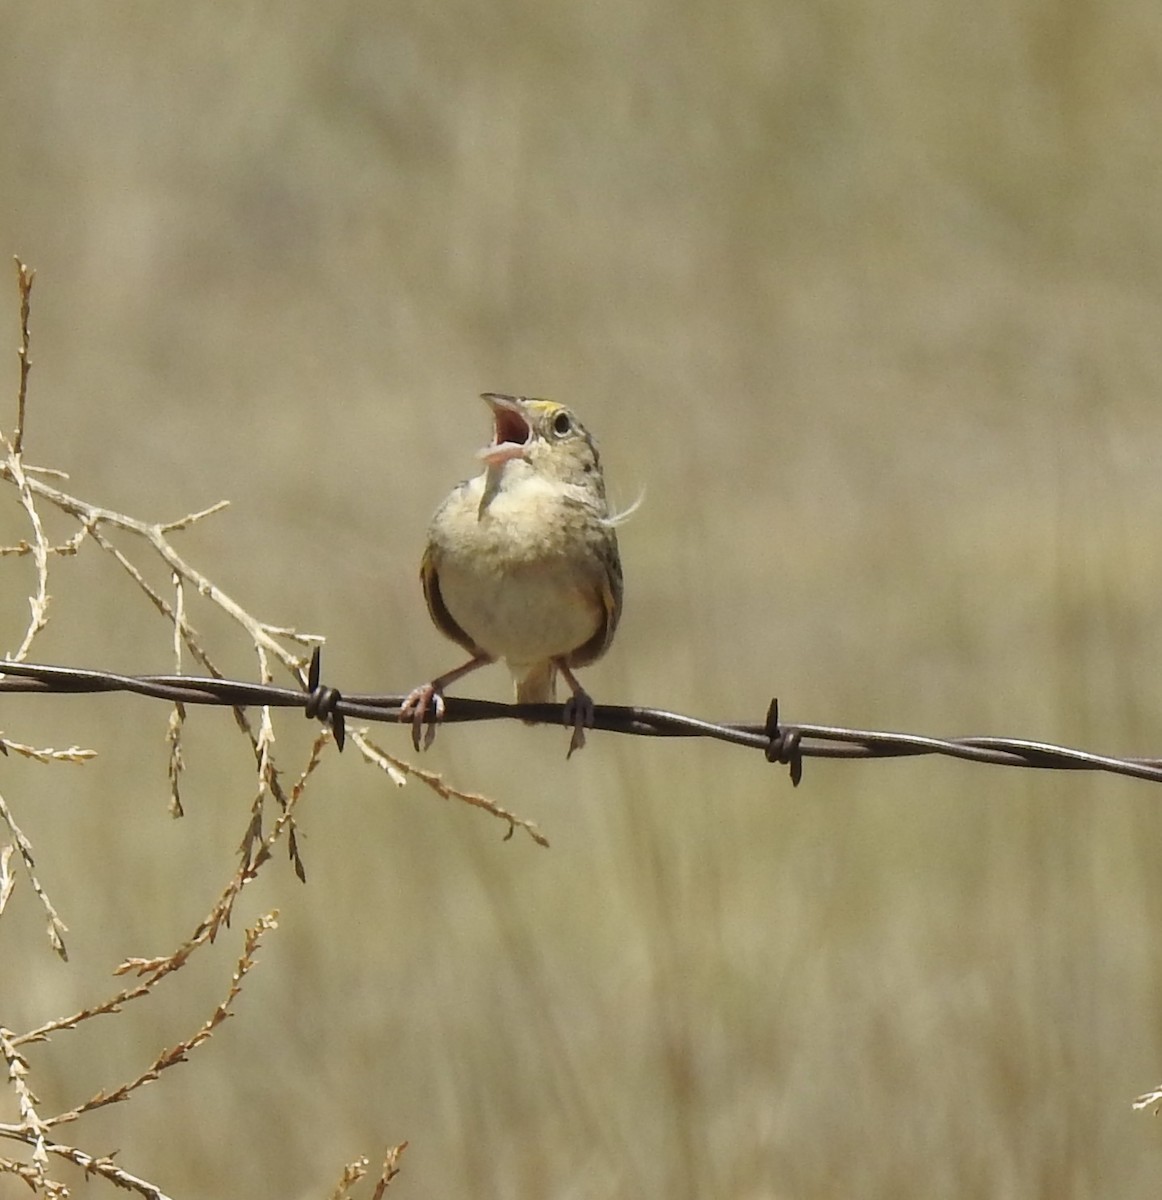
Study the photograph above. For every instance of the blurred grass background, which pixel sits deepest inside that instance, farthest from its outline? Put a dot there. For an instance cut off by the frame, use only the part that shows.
(868, 297)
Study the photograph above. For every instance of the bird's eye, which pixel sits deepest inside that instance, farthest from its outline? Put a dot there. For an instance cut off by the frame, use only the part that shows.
(562, 424)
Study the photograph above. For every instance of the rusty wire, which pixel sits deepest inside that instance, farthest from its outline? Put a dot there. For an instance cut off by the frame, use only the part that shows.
(785, 743)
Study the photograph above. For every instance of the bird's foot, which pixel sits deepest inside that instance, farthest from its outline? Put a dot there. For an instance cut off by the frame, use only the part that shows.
(423, 706)
(579, 714)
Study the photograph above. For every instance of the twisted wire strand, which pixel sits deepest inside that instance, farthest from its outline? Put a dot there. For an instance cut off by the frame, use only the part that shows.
(787, 743)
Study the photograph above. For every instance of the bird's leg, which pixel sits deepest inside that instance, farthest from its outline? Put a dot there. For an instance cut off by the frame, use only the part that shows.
(578, 709)
(426, 703)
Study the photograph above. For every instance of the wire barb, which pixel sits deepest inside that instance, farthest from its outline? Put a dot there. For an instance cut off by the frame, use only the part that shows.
(784, 743)
(322, 703)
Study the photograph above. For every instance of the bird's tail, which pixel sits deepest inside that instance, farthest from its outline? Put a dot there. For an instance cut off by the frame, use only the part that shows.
(539, 686)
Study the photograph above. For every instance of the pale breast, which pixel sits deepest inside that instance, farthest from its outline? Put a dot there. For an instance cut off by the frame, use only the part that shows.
(518, 575)
(524, 615)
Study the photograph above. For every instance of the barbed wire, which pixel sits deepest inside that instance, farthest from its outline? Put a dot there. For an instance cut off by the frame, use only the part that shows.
(784, 743)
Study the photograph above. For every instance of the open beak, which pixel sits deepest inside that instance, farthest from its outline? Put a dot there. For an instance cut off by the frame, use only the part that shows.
(511, 432)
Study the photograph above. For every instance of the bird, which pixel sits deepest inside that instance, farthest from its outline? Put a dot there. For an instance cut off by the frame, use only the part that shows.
(522, 563)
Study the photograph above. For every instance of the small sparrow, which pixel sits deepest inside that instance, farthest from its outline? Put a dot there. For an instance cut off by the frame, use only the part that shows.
(522, 563)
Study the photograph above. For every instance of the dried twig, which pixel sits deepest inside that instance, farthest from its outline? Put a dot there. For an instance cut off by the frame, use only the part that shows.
(56, 927)
(103, 1167)
(353, 1172)
(7, 879)
(273, 645)
(181, 1051)
(30, 1121)
(394, 766)
(24, 277)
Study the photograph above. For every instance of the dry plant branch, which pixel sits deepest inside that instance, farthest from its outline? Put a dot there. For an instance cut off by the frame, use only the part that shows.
(31, 1124)
(14, 465)
(181, 1051)
(24, 277)
(103, 1167)
(355, 1171)
(153, 971)
(56, 927)
(7, 879)
(380, 757)
(274, 647)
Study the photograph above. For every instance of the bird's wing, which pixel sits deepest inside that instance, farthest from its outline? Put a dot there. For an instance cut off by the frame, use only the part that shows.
(607, 583)
(441, 617)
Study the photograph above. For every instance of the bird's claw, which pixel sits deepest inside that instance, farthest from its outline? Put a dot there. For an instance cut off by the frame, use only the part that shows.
(578, 713)
(424, 706)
